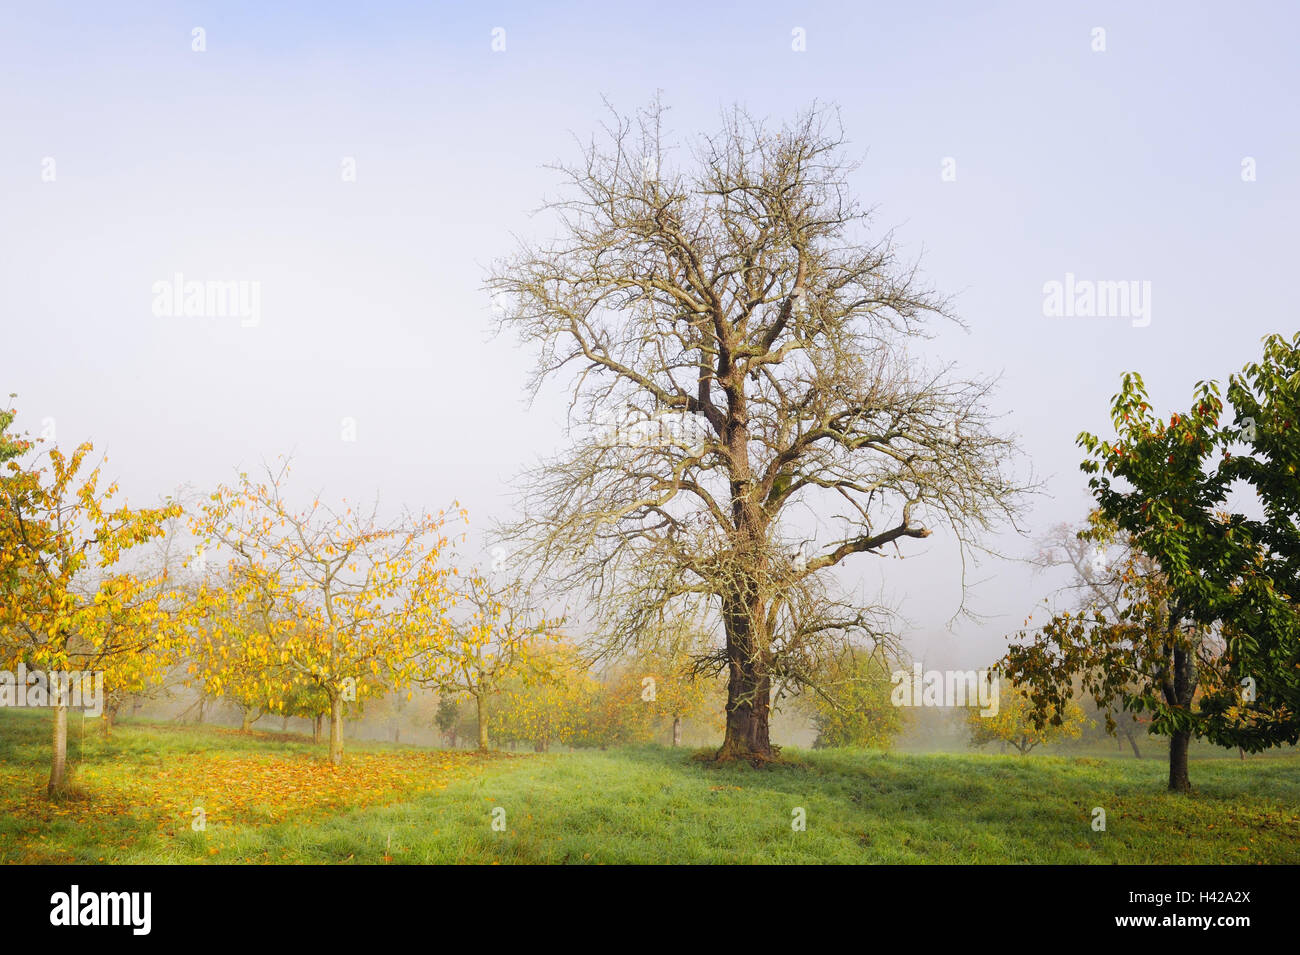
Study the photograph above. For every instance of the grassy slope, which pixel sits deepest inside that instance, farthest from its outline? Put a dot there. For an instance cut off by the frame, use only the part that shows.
(273, 800)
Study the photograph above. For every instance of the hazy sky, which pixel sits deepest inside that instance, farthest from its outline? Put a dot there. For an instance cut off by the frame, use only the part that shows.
(230, 164)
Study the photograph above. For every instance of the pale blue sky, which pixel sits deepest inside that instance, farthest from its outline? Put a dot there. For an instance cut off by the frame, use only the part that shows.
(225, 164)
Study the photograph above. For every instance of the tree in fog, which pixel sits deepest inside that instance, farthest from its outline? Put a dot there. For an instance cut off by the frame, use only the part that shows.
(340, 598)
(749, 411)
(497, 639)
(69, 605)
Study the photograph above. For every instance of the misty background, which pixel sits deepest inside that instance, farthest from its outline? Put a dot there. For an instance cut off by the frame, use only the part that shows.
(371, 362)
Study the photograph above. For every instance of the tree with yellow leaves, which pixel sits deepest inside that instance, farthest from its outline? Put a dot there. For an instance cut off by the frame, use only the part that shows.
(1014, 724)
(231, 656)
(651, 696)
(500, 638)
(68, 609)
(551, 702)
(344, 600)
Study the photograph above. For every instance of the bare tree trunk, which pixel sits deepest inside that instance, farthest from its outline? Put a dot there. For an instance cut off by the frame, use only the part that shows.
(249, 719)
(481, 700)
(749, 687)
(284, 724)
(1132, 741)
(202, 702)
(1179, 781)
(59, 763)
(336, 730)
(748, 696)
(316, 727)
(677, 731)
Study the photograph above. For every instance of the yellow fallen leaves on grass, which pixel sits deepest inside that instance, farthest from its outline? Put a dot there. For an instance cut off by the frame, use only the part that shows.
(230, 790)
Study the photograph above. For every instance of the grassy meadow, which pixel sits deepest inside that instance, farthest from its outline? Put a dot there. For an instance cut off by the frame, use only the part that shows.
(272, 798)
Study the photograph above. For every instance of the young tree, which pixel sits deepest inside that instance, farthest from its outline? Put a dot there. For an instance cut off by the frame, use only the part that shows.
(66, 605)
(342, 598)
(753, 346)
(551, 702)
(650, 697)
(1016, 723)
(496, 641)
(852, 704)
(232, 656)
(449, 718)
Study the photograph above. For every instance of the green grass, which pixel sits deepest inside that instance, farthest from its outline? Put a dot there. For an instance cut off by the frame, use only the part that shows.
(647, 804)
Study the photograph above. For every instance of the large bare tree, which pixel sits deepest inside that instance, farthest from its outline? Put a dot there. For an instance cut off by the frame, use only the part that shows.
(746, 414)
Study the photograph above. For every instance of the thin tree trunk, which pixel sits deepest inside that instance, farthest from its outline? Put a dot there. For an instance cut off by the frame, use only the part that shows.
(336, 730)
(1178, 778)
(481, 700)
(1132, 741)
(59, 763)
(677, 731)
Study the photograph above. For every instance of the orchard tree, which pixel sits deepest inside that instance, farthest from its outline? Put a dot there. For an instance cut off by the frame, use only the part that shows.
(1206, 634)
(68, 605)
(751, 412)
(235, 651)
(1104, 575)
(659, 688)
(343, 599)
(852, 704)
(449, 718)
(308, 702)
(497, 639)
(551, 702)
(1016, 723)
(1128, 645)
(649, 697)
